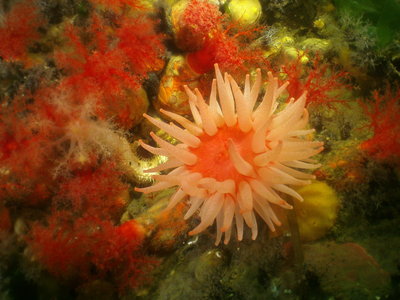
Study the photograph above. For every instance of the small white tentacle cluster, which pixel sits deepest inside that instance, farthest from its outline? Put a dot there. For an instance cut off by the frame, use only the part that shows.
(254, 175)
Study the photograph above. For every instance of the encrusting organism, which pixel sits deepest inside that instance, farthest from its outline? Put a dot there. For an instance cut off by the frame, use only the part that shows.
(18, 30)
(210, 37)
(236, 157)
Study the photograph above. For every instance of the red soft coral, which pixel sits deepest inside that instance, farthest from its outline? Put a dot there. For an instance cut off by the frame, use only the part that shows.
(111, 70)
(61, 250)
(26, 155)
(323, 85)
(18, 31)
(100, 73)
(21, 150)
(88, 248)
(119, 255)
(230, 51)
(384, 115)
(94, 191)
(141, 45)
(111, 66)
(49, 132)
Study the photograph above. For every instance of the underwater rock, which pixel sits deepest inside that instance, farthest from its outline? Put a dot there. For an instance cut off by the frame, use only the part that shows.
(171, 95)
(347, 271)
(251, 267)
(285, 286)
(237, 271)
(194, 273)
(5, 220)
(169, 230)
(380, 236)
(97, 289)
(295, 14)
(162, 228)
(127, 111)
(208, 263)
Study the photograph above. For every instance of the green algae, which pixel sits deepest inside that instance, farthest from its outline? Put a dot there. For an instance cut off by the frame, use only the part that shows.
(382, 15)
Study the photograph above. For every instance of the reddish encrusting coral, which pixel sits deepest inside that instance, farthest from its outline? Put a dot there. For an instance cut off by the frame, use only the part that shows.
(235, 53)
(22, 150)
(196, 24)
(323, 84)
(201, 16)
(18, 31)
(230, 51)
(99, 73)
(25, 153)
(211, 37)
(94, 191)
(56, 247)
(60, 143)
(384, 115)
(142, 47)
(81, 239)
(87, 248)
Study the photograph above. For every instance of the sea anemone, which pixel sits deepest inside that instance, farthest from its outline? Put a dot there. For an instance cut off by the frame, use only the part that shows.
(237, 157)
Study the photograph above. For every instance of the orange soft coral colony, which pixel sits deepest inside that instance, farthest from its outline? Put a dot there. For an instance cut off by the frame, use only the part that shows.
(237, 157)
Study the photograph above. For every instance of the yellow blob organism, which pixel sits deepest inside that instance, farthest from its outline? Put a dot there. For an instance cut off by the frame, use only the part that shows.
(293, 53)
(246, 12)
(316, 45)
(278, 44)
(317, 213)
(319, 23)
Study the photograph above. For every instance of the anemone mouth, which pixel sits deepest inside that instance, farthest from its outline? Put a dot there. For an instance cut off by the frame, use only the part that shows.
(214, 151)
(236, 159)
